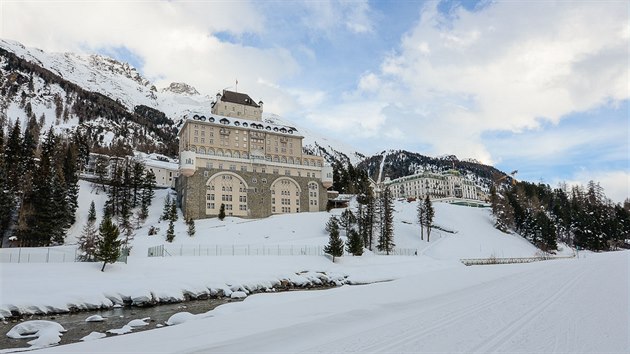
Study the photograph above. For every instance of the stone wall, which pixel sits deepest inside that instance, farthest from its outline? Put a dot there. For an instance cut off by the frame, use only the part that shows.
(192, 192)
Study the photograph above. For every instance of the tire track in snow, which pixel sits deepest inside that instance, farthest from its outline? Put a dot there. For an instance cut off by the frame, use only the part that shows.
(506, 333)
(449, 313)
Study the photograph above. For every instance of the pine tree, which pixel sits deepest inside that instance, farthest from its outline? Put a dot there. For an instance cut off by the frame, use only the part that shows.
(170, 233)
(92, 213)
(191, 227)
(173, 213)
(347, 220)
(421, 212)
(222, 212)
(137, 183)
(71, 179)
(108, 245)
(335, 243)
(89, 237)
(430, 213)
(58, 209)
(12, 157)
(386, 237)
(354, 244)
(166, 210)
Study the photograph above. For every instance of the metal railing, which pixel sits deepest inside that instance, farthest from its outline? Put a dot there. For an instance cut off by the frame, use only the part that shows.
(509, 260)
(252, 250)
(57, 254)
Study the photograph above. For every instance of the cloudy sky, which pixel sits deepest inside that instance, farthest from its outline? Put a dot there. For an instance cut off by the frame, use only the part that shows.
(537, 86)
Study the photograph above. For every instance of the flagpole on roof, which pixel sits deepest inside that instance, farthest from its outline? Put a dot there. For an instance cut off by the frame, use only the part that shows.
(236, 86)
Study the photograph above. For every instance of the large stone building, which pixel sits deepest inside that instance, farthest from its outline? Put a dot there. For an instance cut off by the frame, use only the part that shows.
(449, 184)
(255, 169)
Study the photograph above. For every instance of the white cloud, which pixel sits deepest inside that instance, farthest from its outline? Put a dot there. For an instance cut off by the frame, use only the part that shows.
(510, 66)
(177, 41)
(328, 16)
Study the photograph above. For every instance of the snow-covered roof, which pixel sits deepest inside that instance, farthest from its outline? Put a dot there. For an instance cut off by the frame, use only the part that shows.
(242, 123)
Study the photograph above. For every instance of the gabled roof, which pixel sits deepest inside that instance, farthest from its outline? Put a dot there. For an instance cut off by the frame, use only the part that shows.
(238, 98)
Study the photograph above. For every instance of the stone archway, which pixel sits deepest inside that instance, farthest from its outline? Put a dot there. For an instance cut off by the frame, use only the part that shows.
(285, 196)
(226, 188)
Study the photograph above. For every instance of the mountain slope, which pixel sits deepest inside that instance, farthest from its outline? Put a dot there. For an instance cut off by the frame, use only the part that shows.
(399, 163)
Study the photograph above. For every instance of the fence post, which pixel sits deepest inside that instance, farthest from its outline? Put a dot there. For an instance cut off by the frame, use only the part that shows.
(181, 249)
(48, 255)
(199, 250)
(19, 254)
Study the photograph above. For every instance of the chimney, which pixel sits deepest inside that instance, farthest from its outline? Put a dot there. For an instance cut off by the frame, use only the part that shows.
(260, 103)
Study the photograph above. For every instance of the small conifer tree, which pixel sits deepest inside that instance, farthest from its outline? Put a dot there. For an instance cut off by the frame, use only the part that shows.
(108, 246)
(429, 214)
(173, 213)
(222, 212)
(191, 227)
(335, 243)
(166, 211)
(354, 244)
(170, 233)
(88, 239)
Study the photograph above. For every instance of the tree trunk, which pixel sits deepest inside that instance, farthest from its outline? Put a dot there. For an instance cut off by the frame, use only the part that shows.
(103, 269)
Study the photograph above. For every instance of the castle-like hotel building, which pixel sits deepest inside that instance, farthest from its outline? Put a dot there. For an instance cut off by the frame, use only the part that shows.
(255, 169)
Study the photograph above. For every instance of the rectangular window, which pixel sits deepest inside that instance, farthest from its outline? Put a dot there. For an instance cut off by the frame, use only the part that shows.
(242, 207)
(210, 205)
(242, 199)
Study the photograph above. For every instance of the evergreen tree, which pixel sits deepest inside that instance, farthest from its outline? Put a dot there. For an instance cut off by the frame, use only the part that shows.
(108, 245)
(89, 237)
(58, 209)
(430, 213)
(222, 212)
(92, 213)
(166, 210)
(335, 243)
(170, 233)
(12, 157)
(191, 227)
(173, 214)
(71, 179)
(386, 237)
(347, 220)
(421, 211)
(354, 244)
(370, 216)
(137, 183)
(332, 223)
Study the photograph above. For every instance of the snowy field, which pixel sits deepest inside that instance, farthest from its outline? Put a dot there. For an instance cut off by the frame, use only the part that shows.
(424, 303)
(565, 306)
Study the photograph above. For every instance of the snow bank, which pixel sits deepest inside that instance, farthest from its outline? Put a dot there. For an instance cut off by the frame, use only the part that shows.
(46, 333)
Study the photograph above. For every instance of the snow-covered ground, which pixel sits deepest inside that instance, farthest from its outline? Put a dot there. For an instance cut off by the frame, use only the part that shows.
(565, 306)
(171, 278)
(430, 302)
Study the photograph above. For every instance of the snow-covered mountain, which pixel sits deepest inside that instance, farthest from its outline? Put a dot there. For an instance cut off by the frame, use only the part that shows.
(399, 163)
(138, 114)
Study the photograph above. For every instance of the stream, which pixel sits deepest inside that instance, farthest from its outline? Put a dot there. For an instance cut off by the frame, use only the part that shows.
(77, 328)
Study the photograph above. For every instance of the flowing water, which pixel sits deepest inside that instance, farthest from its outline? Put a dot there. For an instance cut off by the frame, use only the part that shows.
(77, 328)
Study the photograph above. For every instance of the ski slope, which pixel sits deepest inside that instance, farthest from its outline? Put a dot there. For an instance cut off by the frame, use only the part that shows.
(547, 307)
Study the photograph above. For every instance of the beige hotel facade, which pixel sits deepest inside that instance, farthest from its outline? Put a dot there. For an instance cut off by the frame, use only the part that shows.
(255, 169)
